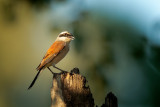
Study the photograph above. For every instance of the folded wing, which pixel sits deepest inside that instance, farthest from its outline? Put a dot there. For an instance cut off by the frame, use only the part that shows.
(52, 52)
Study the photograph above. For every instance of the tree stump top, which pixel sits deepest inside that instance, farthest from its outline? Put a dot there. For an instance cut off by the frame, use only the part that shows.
(70, 90)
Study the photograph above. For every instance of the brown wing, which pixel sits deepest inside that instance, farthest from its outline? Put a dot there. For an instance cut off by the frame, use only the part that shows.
(55, 48)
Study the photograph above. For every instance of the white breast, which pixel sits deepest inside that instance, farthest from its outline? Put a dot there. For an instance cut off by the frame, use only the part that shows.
(61, 55)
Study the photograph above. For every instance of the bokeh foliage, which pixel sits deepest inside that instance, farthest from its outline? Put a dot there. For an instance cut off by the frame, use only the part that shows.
(114, 56)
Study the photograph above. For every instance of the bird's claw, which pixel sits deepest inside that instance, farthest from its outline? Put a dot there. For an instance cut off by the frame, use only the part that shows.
(63, 72)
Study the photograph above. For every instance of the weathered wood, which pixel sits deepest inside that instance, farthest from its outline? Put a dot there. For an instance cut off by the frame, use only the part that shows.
(110, 100)
(70, 90)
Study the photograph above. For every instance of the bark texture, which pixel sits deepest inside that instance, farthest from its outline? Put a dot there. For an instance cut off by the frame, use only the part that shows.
(70, 90)
(110, 100)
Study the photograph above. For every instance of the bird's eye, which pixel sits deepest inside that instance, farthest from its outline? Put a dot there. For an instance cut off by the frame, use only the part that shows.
(62, 35)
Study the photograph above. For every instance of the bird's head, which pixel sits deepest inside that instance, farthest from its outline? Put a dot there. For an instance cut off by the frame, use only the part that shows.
(65, 36)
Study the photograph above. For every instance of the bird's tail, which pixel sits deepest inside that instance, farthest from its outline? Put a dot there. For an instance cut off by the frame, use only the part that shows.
(35, 78)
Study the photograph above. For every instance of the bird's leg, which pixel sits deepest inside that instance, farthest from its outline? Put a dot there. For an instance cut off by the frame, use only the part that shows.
(50, 70)
(62, 71)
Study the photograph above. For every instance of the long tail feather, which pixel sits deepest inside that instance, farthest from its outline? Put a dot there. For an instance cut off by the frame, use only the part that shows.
(38, 67)
(34, 80)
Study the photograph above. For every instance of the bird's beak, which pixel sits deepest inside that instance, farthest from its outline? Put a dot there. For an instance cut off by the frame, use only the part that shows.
(72, 38)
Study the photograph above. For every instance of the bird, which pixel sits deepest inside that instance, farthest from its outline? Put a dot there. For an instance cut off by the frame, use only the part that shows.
(55, 53)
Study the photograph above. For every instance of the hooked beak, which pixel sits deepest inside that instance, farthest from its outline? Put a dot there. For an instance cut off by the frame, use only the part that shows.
(73, 38)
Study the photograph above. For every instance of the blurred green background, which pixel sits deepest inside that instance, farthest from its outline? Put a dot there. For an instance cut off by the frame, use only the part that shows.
(116, 48)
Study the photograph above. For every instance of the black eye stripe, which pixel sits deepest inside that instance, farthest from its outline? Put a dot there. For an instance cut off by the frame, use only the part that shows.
(62, 35)
(65, 35)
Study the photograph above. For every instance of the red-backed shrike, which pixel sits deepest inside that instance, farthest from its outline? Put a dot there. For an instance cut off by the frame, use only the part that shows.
(55, 53)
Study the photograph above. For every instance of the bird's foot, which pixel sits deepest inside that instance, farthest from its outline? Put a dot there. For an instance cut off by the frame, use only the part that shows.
(63, 72)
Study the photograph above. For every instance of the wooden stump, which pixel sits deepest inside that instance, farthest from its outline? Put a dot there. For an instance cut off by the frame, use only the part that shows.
(70, 90)
(110, 100)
